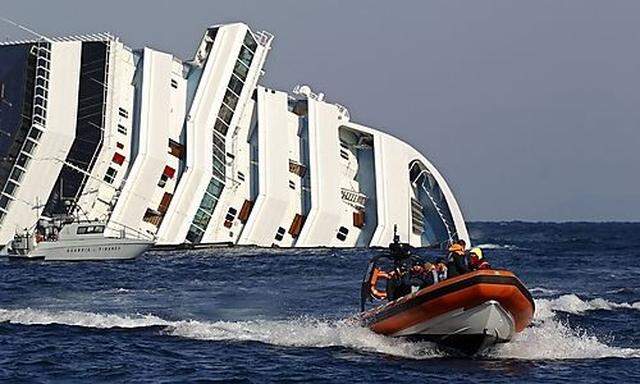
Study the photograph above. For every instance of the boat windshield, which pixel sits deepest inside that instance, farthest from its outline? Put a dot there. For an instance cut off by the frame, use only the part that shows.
(88, 229)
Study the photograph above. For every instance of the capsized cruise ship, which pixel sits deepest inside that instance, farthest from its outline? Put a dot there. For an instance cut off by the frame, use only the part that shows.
(198, 152)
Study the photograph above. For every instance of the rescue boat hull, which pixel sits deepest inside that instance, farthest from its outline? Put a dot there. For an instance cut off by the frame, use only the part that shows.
(468, 313)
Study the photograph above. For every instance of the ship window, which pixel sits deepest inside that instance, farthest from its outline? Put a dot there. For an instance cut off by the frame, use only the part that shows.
(233, 211)
(215, 187)
(40, 101)
(110, 175)
(241, 70)
(342, 233)
(4, 201)
(10, 188)
(246, 56)
(120, 145)
(221, 127)
(123, 112)
(29, 146)
(42, 82)
(23, 160)
(280, 234)
(230, 99)
(344, 155)
(122, 129)
(240, 176)
(201, 218)
(195, 234)
(35, 133)
(118, 158)
(208, 202)
(225, 114)
(250, 42)
(174, 83)
(235, 85)
(40, 91)
(17, 174)
(176, 149)
(81, 230)
(163, 181)
(292, 184)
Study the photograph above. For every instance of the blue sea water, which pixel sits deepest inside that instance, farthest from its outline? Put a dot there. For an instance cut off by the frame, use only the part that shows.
(260, 315)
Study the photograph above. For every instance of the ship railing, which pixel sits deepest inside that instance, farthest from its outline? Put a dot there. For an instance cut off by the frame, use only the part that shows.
(126, 232)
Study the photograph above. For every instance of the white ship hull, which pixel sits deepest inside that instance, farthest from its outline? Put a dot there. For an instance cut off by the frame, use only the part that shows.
(198, 152)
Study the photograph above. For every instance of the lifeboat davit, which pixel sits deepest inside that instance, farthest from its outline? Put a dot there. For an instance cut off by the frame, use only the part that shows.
(467, 313)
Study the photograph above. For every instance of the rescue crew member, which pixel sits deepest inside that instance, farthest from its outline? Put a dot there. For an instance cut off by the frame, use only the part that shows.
(477, 260)
(457, 260)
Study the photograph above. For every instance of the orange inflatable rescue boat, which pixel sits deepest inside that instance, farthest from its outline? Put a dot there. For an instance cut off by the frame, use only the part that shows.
(467, 313)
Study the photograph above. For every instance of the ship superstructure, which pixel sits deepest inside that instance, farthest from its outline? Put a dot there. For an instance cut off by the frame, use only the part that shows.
(197, 151)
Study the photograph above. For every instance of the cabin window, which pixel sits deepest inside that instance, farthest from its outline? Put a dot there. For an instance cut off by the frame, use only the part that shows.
(245, 211)
(296, 225)
(344, 154)
(292, 184)
(342, 233)
(240, 176)
(163, 180)
(280, 233)
(122, 129)
(169, 172)
(90, 229)
(118, 158)
(174, 84)
(123, 112)
(120, 145)
(110, 175)
(176, 149)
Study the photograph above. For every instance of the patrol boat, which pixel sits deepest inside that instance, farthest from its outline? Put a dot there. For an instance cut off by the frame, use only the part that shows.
(70, 239)
(467, 313)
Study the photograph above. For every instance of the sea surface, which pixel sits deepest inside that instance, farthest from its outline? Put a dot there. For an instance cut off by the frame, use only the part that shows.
(237, 315)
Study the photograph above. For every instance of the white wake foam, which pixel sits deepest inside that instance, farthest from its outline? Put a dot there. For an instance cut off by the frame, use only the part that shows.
(549, 338)
(307, 333)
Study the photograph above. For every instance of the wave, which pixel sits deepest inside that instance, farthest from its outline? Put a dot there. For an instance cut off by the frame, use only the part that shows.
(497, 246)
(571, 303)
(543, 291)
(30, 316)
(547, 338)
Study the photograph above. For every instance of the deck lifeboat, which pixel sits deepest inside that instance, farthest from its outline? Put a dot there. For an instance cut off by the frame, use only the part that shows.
(467, 313)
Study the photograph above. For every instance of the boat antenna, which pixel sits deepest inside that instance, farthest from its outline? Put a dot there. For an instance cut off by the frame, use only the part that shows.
(28, 30)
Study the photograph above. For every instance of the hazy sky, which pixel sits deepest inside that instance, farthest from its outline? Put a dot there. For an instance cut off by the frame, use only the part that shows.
(531, 109)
